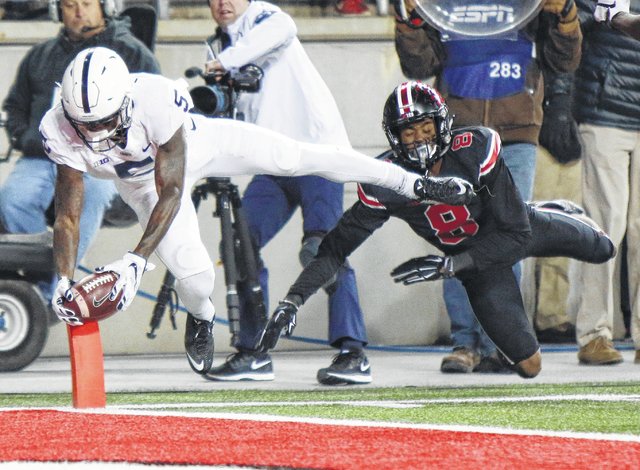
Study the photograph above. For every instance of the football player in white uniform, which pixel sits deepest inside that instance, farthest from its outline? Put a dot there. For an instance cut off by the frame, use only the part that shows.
(136, 129)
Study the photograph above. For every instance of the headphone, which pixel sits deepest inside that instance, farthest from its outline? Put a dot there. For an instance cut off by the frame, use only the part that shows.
(109, 9)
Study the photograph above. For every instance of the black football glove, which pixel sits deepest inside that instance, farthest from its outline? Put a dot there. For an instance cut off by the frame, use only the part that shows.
(282, 320)
(559, 131)
(426, 268)
(446, 189)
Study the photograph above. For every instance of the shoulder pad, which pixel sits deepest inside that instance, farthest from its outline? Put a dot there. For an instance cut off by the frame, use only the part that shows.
(479, 144)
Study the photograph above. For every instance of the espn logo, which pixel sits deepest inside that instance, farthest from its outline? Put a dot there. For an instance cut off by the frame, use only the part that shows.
(482, 14)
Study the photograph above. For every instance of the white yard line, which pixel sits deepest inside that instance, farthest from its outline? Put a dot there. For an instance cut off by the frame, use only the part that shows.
(164, 410)
(388, 403)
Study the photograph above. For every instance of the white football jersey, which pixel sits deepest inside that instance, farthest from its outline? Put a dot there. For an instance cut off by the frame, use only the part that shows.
(214, 147)
(160, 107)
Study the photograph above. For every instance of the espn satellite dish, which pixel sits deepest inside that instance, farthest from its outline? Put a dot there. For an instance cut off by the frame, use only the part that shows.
(478, 18)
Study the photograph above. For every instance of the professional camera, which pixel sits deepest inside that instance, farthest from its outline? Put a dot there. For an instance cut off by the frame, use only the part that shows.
(219, 96)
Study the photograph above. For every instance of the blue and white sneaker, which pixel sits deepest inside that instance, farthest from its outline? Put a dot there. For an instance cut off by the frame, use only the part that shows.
(347, 368)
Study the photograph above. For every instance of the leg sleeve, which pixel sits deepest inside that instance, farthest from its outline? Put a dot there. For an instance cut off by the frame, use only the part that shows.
(223, 147)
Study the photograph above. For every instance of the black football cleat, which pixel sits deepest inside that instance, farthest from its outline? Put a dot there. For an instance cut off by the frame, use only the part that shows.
(198, 343)
(446, 189)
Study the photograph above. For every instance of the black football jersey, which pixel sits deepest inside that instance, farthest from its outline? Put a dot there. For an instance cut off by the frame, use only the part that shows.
(491, 231)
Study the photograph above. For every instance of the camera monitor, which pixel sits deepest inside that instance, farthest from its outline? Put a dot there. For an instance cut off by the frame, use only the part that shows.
(478, 18)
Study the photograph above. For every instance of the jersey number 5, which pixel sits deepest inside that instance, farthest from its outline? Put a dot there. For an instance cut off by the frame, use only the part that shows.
(180, 101)
(452, 224)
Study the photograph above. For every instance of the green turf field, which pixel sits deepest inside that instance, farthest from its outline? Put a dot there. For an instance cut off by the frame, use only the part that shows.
(596, 407)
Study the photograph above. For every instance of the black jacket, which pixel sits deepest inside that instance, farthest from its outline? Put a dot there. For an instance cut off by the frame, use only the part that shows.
(607, 88)
(32, 93)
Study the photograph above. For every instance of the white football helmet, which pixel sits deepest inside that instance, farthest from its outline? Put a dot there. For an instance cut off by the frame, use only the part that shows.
(96, 97)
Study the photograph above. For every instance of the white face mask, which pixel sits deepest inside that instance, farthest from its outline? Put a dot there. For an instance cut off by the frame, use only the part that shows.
(100, 141)
(99, 138)
(105, 135)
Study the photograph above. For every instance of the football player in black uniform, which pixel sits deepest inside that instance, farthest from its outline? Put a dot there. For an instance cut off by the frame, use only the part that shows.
(480, 240)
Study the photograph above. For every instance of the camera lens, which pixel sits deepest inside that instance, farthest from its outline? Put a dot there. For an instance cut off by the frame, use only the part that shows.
(210, 100)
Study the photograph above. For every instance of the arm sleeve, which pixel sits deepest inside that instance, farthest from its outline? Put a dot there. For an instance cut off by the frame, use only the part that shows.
(355, 226)
(271, 30)
(420, 51)
(507, 240)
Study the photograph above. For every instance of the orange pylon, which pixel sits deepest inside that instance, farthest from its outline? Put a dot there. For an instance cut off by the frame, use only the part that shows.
(87, 366)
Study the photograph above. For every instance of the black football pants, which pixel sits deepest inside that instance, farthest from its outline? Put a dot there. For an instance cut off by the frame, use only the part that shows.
(495, 295)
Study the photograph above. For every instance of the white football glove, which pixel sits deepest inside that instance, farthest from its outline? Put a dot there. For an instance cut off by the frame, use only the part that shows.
(129, 270)
(60, 295)
(606, 10)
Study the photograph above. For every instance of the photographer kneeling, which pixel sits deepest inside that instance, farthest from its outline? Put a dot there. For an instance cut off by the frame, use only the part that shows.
(293, 100)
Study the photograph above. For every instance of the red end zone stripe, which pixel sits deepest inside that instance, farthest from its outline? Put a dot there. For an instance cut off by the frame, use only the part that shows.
(37, 435)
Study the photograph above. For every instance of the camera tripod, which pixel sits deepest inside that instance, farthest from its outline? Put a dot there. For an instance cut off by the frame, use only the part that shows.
(239, 259)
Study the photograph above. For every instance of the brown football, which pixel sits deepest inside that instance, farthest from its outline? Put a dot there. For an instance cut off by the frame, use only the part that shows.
(91, 296)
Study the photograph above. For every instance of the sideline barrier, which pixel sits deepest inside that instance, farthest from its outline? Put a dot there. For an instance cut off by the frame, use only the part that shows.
(620, 345)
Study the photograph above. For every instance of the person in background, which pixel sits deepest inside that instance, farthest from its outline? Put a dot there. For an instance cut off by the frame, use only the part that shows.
(28, 190)
(294, 100)
(494, 82)
(607, 109)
